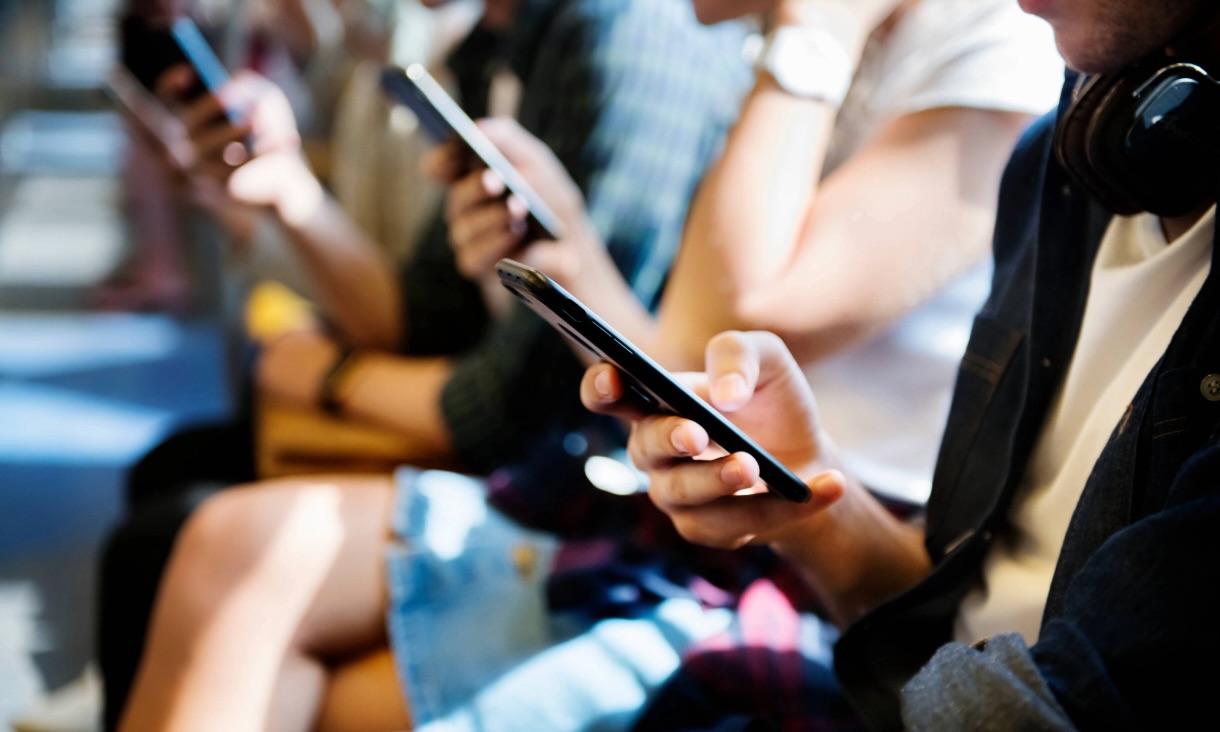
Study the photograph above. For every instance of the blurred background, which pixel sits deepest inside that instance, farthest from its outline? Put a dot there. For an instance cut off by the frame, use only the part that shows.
(85, 389)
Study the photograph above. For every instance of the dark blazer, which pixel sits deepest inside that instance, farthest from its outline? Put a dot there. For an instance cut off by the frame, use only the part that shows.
(1137, 587)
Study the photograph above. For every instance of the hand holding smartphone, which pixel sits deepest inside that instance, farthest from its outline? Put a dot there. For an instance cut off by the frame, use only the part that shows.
(643, 377)
(150, 116)
(148, 49)
(444, 120)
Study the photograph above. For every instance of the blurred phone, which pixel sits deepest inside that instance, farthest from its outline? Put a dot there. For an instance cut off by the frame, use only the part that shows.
(148, 49)
(643, 377)
(444, 120)
(149, 115)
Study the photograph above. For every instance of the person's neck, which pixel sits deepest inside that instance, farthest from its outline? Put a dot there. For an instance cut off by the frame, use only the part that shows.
(1174, 227)
(498, 15)
(1201, 45)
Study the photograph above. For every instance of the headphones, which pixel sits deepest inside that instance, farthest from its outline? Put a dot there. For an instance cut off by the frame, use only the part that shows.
(1145, 139)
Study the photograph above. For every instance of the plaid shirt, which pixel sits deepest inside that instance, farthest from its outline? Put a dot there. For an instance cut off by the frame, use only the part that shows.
(635, 98)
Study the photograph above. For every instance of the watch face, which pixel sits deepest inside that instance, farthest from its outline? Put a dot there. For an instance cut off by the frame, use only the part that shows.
(809, 62)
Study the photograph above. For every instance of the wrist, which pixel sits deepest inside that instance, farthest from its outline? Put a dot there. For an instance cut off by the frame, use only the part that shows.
(331, 387)
(835, 19)
(579, 254)
(300, 198)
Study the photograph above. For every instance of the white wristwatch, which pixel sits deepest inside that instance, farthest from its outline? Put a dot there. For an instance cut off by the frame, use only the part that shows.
(807, 62)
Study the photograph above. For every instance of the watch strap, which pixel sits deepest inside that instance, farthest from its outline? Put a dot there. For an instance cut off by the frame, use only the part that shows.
(328, 390)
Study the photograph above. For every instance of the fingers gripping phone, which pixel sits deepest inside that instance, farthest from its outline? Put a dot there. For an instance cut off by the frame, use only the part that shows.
(444, 120)
(643, 377)
(148, 49)
(152, 117)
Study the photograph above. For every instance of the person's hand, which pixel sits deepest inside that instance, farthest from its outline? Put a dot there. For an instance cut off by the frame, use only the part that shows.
(304, 27)
(291, 367)
(712, 498)
(486, 225)
(255, 161)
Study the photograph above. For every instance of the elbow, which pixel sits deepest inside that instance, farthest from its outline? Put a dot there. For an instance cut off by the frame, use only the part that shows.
(383, 328)
(370, 333)
(381, 337)
(811, 331)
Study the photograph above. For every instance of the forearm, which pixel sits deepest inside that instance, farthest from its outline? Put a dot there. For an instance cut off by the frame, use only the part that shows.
(883, 233)
(857, 554)
(888, 231)
(745, 218)
(401, 394)
(355, 282)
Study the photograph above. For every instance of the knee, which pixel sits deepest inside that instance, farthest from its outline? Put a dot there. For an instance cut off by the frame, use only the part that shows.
(220, 538)
(243, 530)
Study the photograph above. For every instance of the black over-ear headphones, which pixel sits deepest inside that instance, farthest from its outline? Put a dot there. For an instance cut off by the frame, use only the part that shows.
(1146, 139)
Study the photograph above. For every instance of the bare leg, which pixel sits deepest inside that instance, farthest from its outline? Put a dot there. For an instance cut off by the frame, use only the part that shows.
(268, 586)
(364, 695)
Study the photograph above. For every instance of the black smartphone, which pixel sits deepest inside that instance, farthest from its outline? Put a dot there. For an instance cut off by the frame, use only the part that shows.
(151, 117)
(444, 120)
(643, 377)
(148, 48)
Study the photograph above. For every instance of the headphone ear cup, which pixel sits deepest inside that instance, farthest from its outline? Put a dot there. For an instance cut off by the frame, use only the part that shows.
(1172, 141)
(1084, 143)
(1145, 140)
(1071, 128)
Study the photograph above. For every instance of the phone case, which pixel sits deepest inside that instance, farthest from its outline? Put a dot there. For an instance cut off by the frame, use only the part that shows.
(443, 119)
(210, 72)
(643, 377)
(149, 49)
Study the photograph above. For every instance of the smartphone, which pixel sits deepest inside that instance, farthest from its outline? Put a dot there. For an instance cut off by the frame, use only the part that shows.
(149, 48)
(152, 117)
(643, 377)
(444, 120)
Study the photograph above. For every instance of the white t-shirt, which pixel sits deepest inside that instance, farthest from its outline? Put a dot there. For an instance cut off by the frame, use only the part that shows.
(885, 401)
(1141, 289)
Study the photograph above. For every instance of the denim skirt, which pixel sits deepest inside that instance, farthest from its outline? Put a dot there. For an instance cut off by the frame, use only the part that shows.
(475, 645)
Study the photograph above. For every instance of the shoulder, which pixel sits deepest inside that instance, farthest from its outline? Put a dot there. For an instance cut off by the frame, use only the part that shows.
(627, 33)
(1022, 186)
(610, 16)
(639, 57)
(964, 22)
(976, 53)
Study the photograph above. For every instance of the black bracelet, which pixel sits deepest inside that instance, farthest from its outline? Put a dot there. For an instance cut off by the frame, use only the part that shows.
(328, 392)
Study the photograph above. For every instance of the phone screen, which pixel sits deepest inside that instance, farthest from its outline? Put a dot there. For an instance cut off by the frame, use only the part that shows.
(149, 48)
(441, 117)
(209, 71)
(643, 377)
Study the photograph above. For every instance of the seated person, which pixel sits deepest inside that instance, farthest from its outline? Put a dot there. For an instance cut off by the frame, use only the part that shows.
(160, 272)
(1058, 577)
(593, 75)
(884, 205)
(329, 627)
(365, 175)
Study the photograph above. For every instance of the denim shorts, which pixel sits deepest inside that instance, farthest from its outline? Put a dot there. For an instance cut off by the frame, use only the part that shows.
(475, 646)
